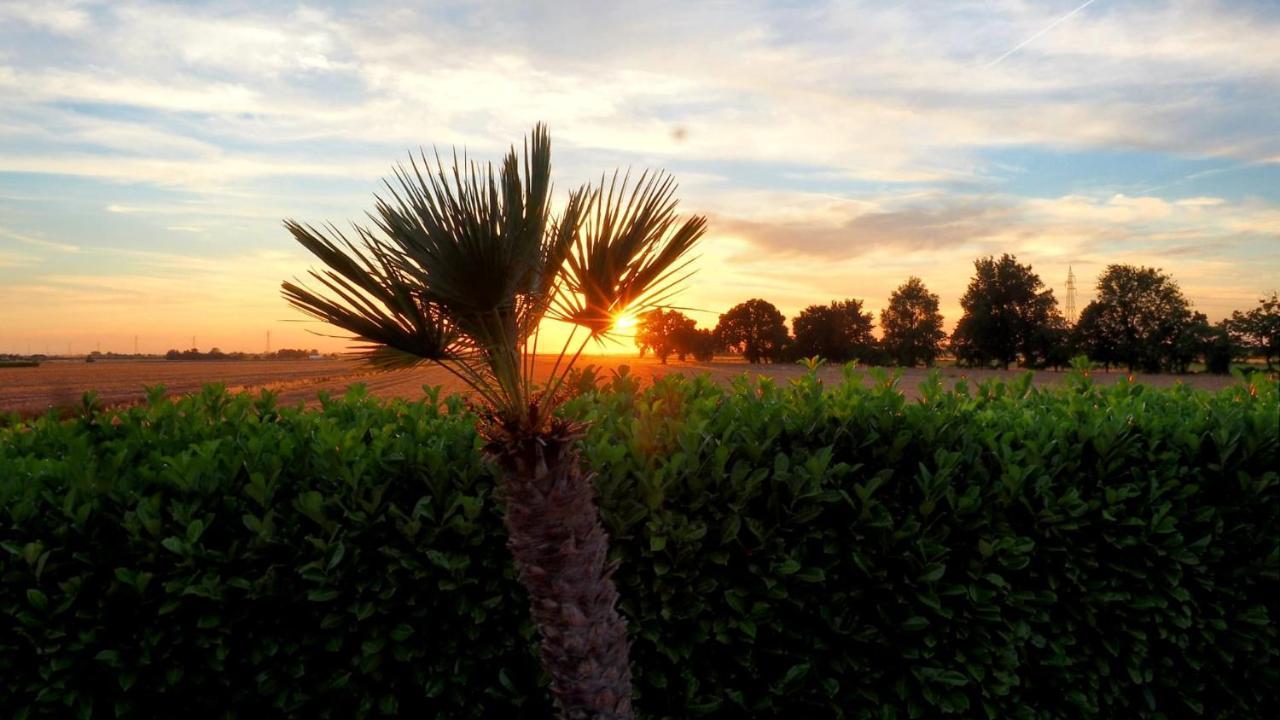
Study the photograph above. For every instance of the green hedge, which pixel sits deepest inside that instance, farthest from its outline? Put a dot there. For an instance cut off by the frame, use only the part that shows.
(785, 552)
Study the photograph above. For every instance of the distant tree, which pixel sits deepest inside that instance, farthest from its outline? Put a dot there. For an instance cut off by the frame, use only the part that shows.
(698, 342)
(658, 330)
(912, 325)
(1142, 319)
(1006, 309)
(1092, 340)
(1192, 341)
(1258, 330)
(1220, 348)
(754, 328)
(837, 333)
(1050, 344)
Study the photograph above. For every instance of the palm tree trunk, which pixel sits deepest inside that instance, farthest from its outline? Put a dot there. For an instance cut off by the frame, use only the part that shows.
(559, 547)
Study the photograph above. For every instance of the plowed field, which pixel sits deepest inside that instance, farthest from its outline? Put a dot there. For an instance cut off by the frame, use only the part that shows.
(61, 383)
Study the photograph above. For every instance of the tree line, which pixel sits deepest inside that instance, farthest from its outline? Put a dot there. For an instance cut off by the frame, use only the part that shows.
(217, 354)
(1139, 320)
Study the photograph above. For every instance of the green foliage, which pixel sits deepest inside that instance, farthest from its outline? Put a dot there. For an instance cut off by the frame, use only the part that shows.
(785, 551)
(221, 556)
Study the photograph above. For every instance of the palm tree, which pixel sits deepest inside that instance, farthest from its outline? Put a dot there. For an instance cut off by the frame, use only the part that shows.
(462, 269)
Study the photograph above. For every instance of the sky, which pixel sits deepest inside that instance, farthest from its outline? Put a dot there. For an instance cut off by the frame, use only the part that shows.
(150, 151)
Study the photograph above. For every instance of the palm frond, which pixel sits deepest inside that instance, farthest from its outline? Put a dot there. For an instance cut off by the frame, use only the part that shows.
(370, 297)
(459, 269)
(464, 263)
(472, 238)
(630, 245)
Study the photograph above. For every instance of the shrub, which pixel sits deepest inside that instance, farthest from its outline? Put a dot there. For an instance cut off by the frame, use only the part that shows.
(786, 551)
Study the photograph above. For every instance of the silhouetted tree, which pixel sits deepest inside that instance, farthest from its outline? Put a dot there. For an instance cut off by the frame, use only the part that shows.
(1220, 349)
(1049, 344)
(1142, 320)
(1089, 338)
(658, 330)
(1006, 308)
(195, 354)
(837, 333)
(912, 325)
(1258, 330)
(754, 328)
(695, 341)
(1192, 342)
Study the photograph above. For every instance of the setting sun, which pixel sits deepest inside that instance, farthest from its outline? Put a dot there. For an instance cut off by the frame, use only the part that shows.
(625, 323)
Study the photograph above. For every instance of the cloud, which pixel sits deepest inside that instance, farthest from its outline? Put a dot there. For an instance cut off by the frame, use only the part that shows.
(300, 40)
(1049, 227)
(204, 174)
(11, 259)
(912, 105)
(57, 17)
(911, 229)
(220, 207)
(104, 86)
(37, 242)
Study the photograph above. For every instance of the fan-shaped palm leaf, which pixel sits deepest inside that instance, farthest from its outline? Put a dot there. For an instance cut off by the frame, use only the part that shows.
(630, 252)
(376, 302)
(468, 262)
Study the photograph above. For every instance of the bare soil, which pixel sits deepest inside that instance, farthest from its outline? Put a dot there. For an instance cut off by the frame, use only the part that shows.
(60, 384)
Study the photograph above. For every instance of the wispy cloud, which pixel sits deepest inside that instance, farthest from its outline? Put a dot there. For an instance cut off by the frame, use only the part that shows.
(37, 242)
(11, 259)
(58, 17)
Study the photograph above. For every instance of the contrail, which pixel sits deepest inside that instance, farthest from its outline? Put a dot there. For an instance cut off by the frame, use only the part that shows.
(1043, 30)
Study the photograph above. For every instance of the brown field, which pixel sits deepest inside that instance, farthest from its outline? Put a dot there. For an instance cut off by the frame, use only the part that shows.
(61, 383)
